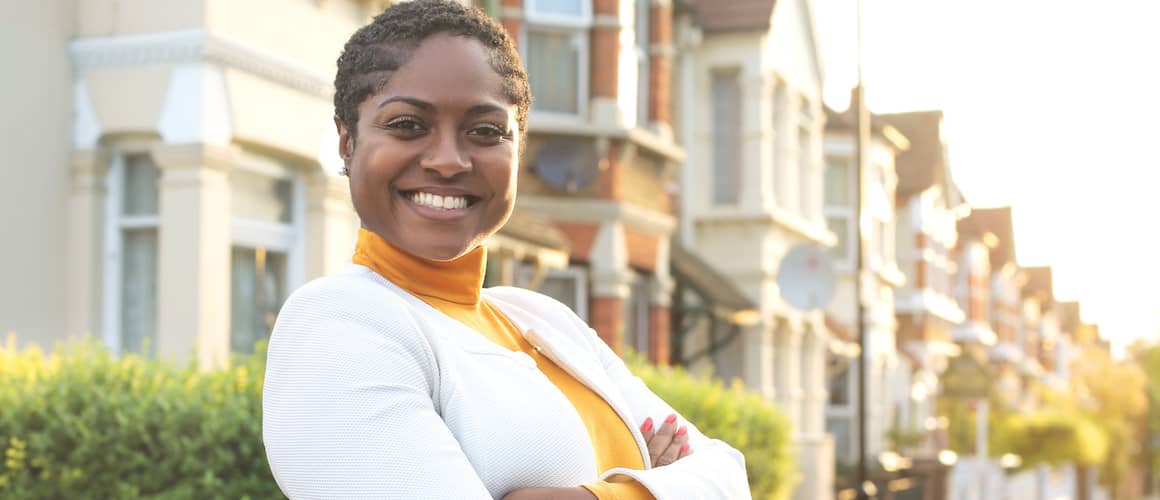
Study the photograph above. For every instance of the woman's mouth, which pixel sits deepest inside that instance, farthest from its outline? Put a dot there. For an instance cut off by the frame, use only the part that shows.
(439, 206)
(445, 202)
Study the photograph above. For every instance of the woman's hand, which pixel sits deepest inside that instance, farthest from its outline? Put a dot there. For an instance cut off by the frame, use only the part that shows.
(667, 444)
(576, 493)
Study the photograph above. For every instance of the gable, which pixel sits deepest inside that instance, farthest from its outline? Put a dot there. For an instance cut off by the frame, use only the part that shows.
(793, 47)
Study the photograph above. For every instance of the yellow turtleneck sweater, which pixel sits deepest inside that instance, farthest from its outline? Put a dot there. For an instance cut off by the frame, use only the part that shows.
(453, 287)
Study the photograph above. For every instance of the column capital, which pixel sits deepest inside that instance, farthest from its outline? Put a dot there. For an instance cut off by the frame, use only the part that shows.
(662, 289)
(196, 155)
(611, 283)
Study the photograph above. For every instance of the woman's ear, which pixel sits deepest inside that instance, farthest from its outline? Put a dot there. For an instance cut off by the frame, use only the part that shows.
(345, 144)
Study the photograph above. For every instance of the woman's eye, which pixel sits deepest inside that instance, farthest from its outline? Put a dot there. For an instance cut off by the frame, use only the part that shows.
(489, 131)
(405, 124)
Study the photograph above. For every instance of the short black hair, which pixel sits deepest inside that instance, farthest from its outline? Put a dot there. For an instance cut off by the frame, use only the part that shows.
(376, 50)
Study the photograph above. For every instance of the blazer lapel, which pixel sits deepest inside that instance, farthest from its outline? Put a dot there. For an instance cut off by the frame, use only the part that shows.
(578, 360)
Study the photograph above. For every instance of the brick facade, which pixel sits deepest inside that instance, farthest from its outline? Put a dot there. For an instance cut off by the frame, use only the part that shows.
(659, 334)
(660, 61)
(605, 315)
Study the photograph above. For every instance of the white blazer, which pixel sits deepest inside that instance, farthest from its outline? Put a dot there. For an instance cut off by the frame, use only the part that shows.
(371, 393)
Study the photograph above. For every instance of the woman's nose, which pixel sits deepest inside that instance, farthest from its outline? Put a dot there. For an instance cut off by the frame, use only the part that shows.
(446, 156)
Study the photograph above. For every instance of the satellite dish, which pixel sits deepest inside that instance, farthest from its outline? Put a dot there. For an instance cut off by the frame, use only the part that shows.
(806, 277)
(567, 164)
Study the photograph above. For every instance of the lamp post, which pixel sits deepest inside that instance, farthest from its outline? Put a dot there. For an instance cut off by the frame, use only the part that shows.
(862, 126)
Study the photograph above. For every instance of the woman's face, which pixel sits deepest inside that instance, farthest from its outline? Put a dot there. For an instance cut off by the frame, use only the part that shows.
(433, 163)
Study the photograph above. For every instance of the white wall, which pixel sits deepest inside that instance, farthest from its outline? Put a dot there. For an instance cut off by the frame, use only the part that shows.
(35, 136)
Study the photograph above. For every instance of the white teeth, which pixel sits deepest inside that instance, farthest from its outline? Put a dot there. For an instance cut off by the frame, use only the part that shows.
(437, 201)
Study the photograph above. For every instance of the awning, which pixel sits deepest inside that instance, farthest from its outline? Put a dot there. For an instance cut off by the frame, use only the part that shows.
(726, 300)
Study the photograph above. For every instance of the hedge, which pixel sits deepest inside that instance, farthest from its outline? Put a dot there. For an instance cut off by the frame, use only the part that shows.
(736, 416)
(79, 423)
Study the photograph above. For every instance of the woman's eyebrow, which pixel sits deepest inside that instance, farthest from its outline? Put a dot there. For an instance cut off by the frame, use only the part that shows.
(480, 109)
(418, 103)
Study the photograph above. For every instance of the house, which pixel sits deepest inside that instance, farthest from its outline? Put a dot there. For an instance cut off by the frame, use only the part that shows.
(928, 205)
(182, 172)
(601, 157)
(990, 285)
(886, 370)
(1042, 329)
(748, 78)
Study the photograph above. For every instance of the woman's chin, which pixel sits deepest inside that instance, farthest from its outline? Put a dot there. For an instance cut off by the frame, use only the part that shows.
(441, 247)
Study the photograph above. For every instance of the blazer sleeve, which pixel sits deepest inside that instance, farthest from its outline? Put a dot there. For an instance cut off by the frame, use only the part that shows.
(714, 470)
(348, 406)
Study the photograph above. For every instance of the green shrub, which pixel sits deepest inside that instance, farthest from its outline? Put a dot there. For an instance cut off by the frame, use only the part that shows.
(79, 424)
(732, 414)
(1051, 437)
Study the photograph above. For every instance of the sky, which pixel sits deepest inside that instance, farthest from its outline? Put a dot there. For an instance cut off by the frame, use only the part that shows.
(1053, 108)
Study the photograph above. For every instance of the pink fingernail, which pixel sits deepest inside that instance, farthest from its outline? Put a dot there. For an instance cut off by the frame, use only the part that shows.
(672, 418)
(681, 432)
(684, 448)
(647, 425)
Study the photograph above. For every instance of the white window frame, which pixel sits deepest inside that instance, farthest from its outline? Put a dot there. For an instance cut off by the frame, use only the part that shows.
(115, 225)
(288, 238)
(579, 277)
(847, 212)
(580, 28)
(803, 158)
(738, 74)
(643, 34)
(584, 20)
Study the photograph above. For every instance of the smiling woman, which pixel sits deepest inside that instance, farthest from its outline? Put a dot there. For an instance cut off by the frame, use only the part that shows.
(401, 377)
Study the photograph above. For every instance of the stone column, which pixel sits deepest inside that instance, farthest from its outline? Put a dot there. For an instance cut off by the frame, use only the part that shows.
(193, 315)
(661, 297)
(759, 353)
(610, 278)
(787, 371)
(86, 224)
(815, 446)
(331, 225)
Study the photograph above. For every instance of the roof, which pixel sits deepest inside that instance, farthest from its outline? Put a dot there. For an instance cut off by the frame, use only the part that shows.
(707, 281)
(996, 221)
(1039, 284)
(924, 164)
(846, 120)
(535, 229)
(715, 16)
(1068, 314)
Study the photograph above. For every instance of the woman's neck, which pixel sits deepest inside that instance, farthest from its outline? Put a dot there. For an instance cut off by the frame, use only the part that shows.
(458, 280)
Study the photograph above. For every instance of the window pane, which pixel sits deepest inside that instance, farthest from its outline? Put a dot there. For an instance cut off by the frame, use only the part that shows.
(838, 182)
(841, 228)
(554, 71)
(726, 137)
(635, 319)
(140, 194)
(840, 428)
(257, 290)
(570, 8)
(139, 291)
(259, 197)
(561, 288)
(840, 386)
(642, 51)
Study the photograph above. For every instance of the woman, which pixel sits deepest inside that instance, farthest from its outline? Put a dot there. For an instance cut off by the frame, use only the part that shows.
(400, 377)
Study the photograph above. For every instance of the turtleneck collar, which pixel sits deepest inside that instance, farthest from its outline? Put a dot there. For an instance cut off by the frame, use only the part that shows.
(458, 280)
